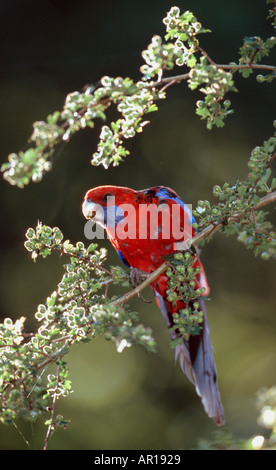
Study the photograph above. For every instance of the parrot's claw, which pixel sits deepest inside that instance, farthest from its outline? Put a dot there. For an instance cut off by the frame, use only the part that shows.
(137, 276)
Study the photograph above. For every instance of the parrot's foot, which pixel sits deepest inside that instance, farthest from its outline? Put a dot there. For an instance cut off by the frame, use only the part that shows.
(136, 277)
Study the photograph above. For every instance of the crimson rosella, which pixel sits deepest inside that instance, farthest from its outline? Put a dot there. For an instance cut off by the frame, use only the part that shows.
(123, 213)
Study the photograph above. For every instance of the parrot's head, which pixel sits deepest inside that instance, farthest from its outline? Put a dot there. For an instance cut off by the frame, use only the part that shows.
(103, 204)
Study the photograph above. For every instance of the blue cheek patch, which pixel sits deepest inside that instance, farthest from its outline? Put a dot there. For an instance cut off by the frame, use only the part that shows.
(112, 216)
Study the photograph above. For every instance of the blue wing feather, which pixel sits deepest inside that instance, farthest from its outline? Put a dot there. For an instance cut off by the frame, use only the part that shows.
(124, 261)
(166, 193)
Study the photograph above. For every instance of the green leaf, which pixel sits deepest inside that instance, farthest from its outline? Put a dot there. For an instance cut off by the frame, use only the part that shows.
(246, 72)
(273, 183)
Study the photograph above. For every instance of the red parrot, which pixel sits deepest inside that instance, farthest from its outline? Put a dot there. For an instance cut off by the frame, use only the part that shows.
(124, 213)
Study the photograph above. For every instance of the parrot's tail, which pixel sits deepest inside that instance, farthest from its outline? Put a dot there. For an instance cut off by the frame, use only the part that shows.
(196, 360)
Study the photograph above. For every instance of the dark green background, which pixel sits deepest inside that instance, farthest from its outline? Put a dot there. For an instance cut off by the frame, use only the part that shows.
(135, 400)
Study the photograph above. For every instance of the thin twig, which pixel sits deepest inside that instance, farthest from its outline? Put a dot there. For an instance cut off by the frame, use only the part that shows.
(51, 426)
(185, 76)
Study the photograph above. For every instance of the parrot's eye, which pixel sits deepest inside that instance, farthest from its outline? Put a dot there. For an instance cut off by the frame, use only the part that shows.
(106, 196)
(89, 200)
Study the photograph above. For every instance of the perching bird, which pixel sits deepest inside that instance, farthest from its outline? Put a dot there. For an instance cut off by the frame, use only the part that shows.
(144, 226)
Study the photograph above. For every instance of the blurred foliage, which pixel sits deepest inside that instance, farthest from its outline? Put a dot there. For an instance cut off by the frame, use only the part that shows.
(266, 406)
(154, 397)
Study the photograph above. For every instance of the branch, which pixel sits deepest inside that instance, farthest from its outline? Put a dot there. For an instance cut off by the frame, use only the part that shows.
(185, 76)
(246, 66)
(268, 199)
(126, 297)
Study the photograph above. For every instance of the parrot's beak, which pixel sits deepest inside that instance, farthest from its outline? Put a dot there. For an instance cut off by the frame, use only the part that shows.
(92, 210)
(89, 209)
(107, 216)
